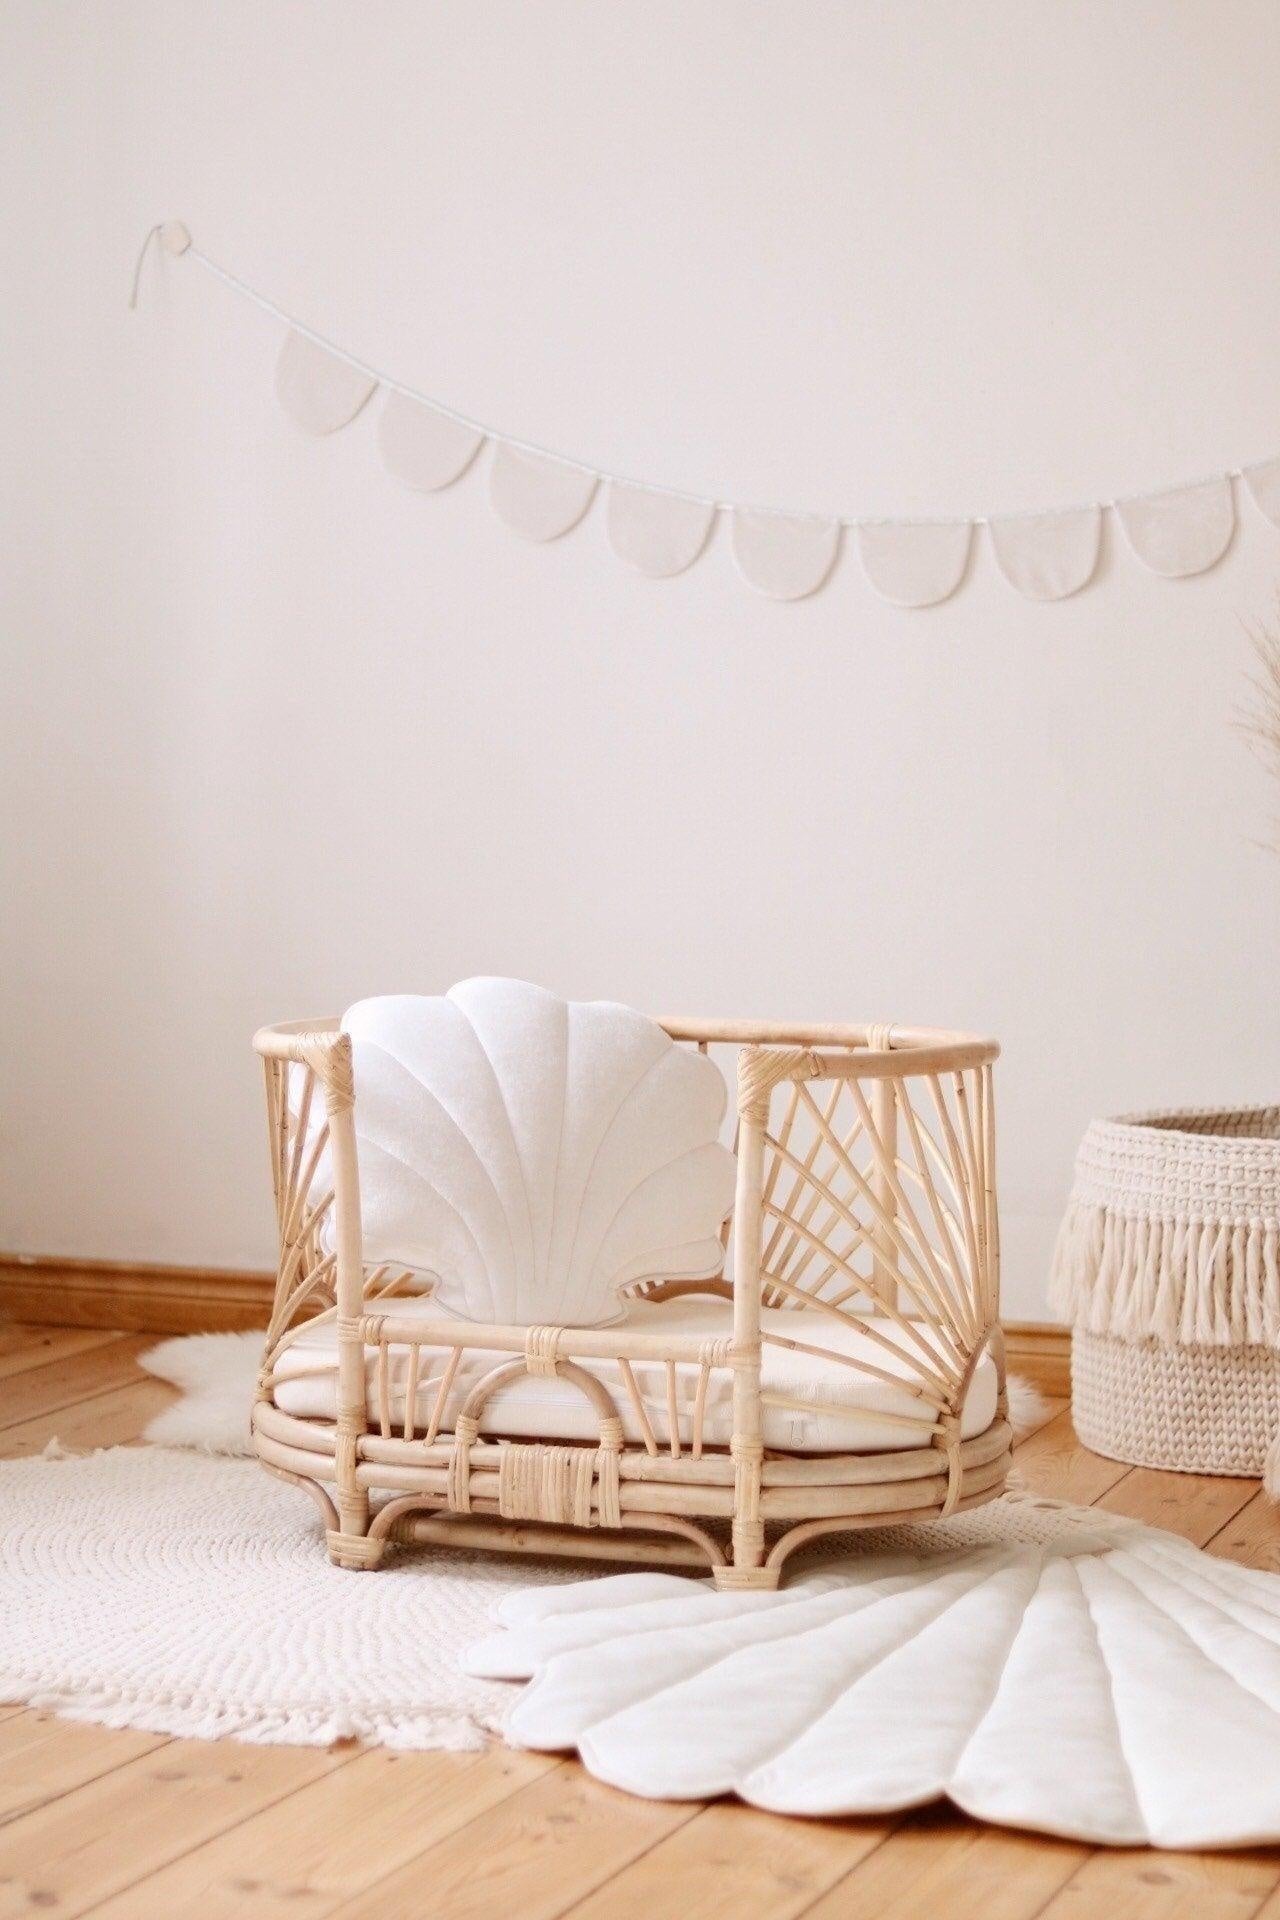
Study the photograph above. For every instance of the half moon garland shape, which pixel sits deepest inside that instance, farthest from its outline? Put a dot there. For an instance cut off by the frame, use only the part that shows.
(661, 531)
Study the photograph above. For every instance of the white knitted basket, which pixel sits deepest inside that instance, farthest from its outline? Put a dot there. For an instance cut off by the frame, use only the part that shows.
(1168, 1267)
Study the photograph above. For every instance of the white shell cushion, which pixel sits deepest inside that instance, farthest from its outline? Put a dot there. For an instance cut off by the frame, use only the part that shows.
(557, 1410)
(535, 1155)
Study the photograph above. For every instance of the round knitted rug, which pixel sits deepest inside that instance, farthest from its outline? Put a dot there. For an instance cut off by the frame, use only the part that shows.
(185, 1594)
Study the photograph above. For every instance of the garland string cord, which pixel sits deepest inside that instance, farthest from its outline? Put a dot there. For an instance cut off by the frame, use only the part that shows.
(185, 246)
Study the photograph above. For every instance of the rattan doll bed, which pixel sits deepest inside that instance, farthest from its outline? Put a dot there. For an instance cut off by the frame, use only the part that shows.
(849, 1374)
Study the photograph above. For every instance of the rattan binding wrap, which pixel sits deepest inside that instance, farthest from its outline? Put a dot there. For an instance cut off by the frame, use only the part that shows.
(1168, 1265)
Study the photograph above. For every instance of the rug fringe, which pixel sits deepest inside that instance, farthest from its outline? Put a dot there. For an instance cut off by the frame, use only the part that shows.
(438, 1730)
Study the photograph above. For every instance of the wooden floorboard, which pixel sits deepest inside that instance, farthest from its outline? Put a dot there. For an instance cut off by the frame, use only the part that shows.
(938, 1865)
(42, 1758)
(1198, 1506)
(1053, 1462)
(1125, 1884)
(729, 1859)
(79, 1848)
(1270, 1908)
(534, 1855)
(308, 1852)
(110, 1419)
(1251, 1536)
(80, 1375)
(129, 1826)
(24, 1347)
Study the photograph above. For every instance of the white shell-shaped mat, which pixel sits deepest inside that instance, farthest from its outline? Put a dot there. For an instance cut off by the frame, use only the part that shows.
(1183, 532)
(536, 496)
(1264, 484)
(423, 448)
(535, 1154)
(319, 391)
(915, 563)
(784, 556)
(659, 533)
(1048, 1668)
(1048, 556)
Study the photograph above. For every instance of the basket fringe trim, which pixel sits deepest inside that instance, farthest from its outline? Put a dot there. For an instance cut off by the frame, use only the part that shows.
(1173, 1229)
(1186, 1281)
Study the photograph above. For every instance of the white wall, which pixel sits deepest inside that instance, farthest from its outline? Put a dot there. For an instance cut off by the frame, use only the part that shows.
(280, 734)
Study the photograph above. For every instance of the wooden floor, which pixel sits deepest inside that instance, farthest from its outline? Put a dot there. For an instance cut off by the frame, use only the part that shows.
(131, 1825)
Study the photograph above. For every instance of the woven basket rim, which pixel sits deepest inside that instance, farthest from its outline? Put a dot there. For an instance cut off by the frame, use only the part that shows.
(1170, 1125)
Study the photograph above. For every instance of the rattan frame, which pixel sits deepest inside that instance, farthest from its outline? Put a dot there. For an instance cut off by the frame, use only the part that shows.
(903, 1183)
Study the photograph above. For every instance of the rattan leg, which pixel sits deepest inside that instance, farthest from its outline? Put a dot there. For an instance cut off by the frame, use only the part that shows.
(744, 1579)
(354, 1551)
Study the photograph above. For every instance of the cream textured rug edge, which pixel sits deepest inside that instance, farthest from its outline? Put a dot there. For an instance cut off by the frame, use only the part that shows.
(178, 1593)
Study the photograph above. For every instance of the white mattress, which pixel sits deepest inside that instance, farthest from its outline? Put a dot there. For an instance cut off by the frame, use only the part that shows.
(556, 1410)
